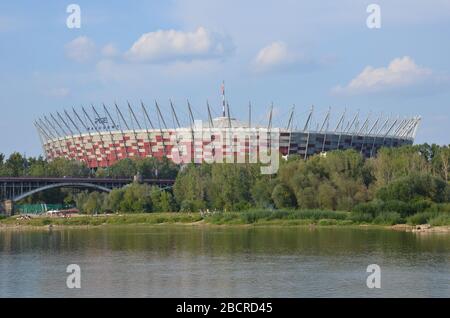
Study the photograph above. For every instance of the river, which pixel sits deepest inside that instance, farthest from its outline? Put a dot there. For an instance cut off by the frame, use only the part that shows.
(210, 261)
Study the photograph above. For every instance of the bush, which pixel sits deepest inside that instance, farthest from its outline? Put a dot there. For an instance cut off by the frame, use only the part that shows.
(388, 218)
(283, 197)
(360, 217)
(191, 205)
(420, 218)
(440, 220)
(416, 187)
(369, 208)
(327, 222)
(405, 209)
(439, 207)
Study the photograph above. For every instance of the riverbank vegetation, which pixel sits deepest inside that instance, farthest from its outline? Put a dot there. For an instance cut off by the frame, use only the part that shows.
(401, 185)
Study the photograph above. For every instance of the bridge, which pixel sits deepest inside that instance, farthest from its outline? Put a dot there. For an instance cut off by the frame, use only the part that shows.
(15, 189)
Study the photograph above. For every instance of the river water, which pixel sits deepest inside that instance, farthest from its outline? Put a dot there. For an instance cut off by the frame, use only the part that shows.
(202, 261)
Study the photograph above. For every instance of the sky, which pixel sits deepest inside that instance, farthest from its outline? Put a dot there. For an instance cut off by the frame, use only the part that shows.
(285, 52)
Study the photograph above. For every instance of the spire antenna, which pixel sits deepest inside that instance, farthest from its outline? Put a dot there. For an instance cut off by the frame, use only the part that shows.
(223, 99)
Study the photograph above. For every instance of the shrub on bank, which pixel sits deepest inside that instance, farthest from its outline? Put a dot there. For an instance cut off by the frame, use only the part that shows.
(420, 218)
(388, 218)
(360, 217)
(254, 216)
(440, 220)
(404, 209)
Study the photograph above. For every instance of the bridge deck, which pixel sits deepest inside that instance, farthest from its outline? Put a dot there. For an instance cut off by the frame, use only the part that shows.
(12, 187)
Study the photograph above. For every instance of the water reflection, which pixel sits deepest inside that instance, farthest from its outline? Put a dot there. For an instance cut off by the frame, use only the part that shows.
(196, 261)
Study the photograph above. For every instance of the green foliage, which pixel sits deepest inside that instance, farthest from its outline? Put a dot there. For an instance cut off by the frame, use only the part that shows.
(409, 183)
(283, 197)
(416, 187)
(404, 209)
(260, 216)
(360, 217)
(439, 220)
(261, 192)
(388, 218)
(148, 168)
(420, 218)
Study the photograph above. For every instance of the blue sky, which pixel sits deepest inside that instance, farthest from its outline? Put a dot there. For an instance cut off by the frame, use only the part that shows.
(288, 52)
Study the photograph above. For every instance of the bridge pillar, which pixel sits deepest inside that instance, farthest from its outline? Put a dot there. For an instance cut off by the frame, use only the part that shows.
(7, 207)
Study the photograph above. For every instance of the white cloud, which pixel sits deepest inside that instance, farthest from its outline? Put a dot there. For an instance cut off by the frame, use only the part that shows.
(274, 56)
(81, 49)
(170, 45)
(110, 50)
(278, 57)
(401, 73)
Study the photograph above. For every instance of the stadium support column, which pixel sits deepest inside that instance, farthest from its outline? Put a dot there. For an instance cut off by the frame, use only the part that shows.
(58, 136)
(211, 133)
(111, 136)
(229, 115)
(306, 129)
(88, 131)
(83, 147)
(325, 122)
(364, 129)
(371, 130)
(416, 126)
(289, 128)
(41, 139)
(211, 123)
(161, 119)
(192, 122)
(99, 135)
(147, 118)
(176, 123)
(66, 134)
(340, 127)
(352, 125)
(126, 125)
(376, 134)
(174, 114)
(132, 126)
(51, 137)
(389, 130)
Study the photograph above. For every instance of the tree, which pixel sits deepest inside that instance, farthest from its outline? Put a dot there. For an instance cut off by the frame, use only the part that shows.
(441, 162)
(193, 184)
(154, 168)
(125, 168)
(261, 191)
(416, 187)
(94, 203)
(393, 163)
(283, 197)
(136, 198)
(15, 165)
(62, 167)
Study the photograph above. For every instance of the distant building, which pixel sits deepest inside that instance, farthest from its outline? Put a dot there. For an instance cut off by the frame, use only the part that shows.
(101, 140)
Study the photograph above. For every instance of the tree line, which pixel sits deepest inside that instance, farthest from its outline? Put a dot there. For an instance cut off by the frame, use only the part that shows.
(338, 181)
(405, 180)
(17, 165)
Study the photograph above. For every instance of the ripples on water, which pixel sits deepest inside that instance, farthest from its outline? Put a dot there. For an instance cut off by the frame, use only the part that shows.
(185, 261)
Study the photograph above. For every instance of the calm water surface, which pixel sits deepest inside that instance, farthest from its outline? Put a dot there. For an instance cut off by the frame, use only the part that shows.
(185, 261)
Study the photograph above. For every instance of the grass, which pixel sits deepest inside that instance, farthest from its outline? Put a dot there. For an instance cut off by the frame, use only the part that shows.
(431, 217)
(141, 218)
(280, 217)
(253, 217)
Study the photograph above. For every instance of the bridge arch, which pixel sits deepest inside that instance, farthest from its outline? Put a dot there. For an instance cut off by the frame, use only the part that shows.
(61, 185)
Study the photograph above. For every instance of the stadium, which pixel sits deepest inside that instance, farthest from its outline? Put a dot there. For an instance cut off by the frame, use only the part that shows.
(100, 136)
